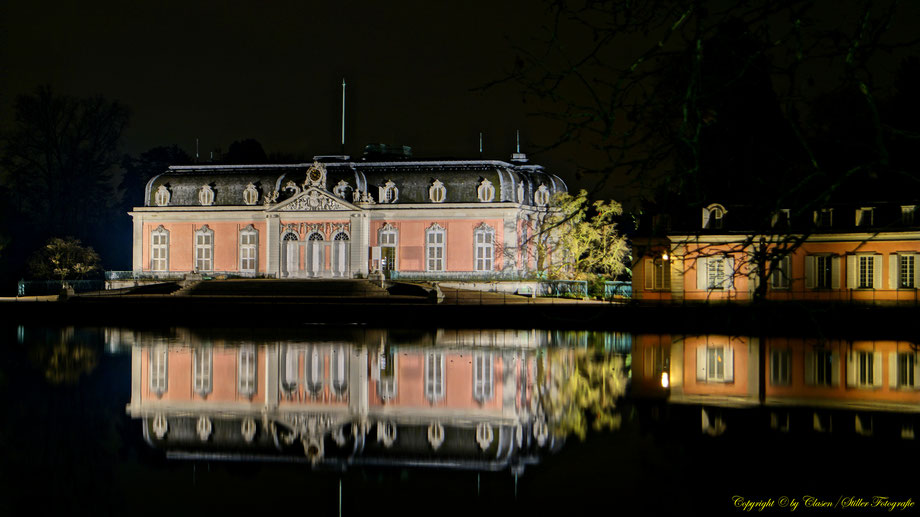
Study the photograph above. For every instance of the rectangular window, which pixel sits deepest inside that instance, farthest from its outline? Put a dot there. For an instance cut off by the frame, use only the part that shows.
(824, 369)
(906, 364)
(780, 277)
(906, 271)
(248, 247)
(247, 371)
(907, 214)
(159, 249)
(780, 366)
(158, 358)
(435, 251)
(715, 370)
(780, 218)
(866, 265)
(864, 368)
(203, 251)
(657, 274)
(482, 377)
(824, 273)
(483, 251)
(201, 370)
(715, 273)
(824, 218)
(654, 362)
(864, 217)
(434, 377)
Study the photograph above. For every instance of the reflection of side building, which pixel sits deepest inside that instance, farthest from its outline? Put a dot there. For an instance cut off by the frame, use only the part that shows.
(339, 404)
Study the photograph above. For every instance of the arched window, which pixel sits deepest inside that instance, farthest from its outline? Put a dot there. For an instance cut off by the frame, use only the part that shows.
(340, 254)
(246, 371)
(290, 369)
(314, 371)
(158, 358)
(202, 371)
(486, 191)
(159, 249)
(389, 193)
(541, 197)
(436, 192)
(434, 377)
(388, 238)
(434, 245)
(341, 189)
(316, 256)
(388, 366)
(206, 195)
(250, 195)
(713, 216)
(483, 239)
(249, 248)
(161, 198)
(482, 377)
(204, 249)
(290, 250)
(338, 367)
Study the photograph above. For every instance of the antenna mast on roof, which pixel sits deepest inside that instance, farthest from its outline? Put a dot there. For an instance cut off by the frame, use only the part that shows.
(480, 144)
(343, 115)
(196, 150)
(518, 133)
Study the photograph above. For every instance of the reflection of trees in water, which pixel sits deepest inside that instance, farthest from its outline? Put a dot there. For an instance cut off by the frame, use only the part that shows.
(579, 387)
(66, 360)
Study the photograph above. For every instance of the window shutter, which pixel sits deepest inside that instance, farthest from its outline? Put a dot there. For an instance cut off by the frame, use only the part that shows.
(916, 270)
(705, 218)
(701, 273)
(835, 369)
(810, 367)
(729, 282)
(893, 267)
(851, 271)
(916, 370)
(649, 274)
(701, 363)
(809, 271)
(835, 273)
(729, 364)
(893, 369)
(877, 271)
(851, 369)
(877, 368)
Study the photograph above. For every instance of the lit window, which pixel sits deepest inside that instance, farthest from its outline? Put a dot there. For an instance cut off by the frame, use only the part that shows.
(780, 366)
(436, 192)
(249, 246)
(204, 249)
(159, 249)
(434, 239)
(246, 371)
(907, 365)
(864, 217)
(482, 377)
(434, 377)
(486, 191)
(389, 193)
(206, 195)
(250, 195)
(161, 198)
(202, 371)
(715, 363)
(158, 358)
(483, 237)
(781, 274)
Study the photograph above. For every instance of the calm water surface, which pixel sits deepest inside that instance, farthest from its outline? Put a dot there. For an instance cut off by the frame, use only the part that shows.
(317, 419)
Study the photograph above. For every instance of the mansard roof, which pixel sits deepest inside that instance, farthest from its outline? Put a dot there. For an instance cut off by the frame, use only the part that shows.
(461, 179)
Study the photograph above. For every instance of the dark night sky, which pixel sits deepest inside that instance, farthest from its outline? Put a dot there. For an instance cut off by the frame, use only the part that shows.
(224, 71)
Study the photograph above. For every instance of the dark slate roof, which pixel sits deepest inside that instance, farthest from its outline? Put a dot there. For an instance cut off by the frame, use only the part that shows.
(461, 179)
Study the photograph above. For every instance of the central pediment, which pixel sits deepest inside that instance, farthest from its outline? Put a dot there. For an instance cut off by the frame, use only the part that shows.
(314, 200)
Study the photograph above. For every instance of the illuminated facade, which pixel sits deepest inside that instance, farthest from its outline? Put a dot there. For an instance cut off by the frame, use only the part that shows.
(844, 253)
(342, 219)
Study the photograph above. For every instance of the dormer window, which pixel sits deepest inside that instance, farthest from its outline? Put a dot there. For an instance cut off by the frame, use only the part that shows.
(541, 196)
(206, 196)
(824, 218)
(436, 192)
(713, 216)
(389, 193)
(341, 189)
(780, 219)
(161, 198)
(907, 214)
(486, 191)
(250, 195)
(520, 193)
(864, 217)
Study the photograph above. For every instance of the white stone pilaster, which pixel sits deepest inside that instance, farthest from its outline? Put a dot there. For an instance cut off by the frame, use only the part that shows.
(273, 245)
(137, 254)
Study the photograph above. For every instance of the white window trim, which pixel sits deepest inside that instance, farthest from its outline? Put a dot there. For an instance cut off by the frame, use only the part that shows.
(703, 280)
(895, 269)
(711, 214)
(434, 380)
(485, 192)
(385, 190)
(250, 195)
(206, 195)
(854, 266)
(812, 364)
(204, 230)
(163, 232)
(861, 214)
(541, 196)
(158, 378)
(781, 362)
(703, 373)
(894, 370)
(483, 377)
(247, 371)
(811, 271)
(655, 281)
(389, 229)
(338, 370)
(436, 229)
(162, 196)
(437, 193)
(202, 370)
(484, 229)
(873, 377)
(247, 231)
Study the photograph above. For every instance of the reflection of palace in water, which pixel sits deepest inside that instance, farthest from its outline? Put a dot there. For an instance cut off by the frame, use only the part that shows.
(462, 399)
(815, 384)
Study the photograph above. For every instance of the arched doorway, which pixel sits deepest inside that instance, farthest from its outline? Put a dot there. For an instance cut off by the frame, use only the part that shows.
(315, 255)
(340, 255)
(290, 252)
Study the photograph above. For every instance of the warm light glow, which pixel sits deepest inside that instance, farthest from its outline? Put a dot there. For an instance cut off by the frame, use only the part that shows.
(665, 382)
(664, 256)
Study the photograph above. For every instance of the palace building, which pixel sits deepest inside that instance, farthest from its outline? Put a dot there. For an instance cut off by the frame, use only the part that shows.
(337, 218)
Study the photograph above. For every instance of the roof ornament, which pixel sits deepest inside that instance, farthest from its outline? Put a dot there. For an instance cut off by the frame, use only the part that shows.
(316, 176)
